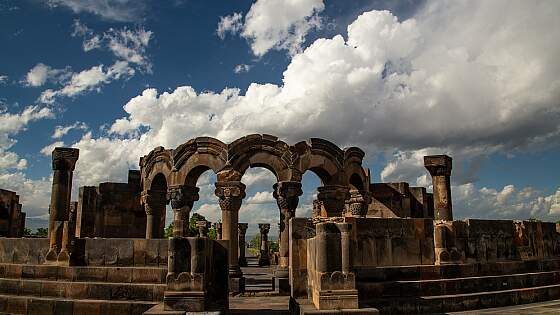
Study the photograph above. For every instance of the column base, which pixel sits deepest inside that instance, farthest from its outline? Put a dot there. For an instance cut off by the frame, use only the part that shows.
(264, 260)
(282, 281)
(242, 262)
(51, 257)
(184, 301)
(236, 284)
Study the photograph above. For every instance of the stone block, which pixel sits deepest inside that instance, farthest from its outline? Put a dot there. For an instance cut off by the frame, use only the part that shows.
(16, 305)
(7, 250)
(30, 287)
(91, 274)
(22, 252)
(95, 251)
(46, 272)
(40, 307)
(139, 248)
(147, 275)
(14, 271)
(77, 290)
(152, 252)
(28, 271)
(119, 274)
(54, 288)
(87, 307)
(120, 308)
(10, 286)
(162, 252)
(99, 291)
(112, 247)
(66, 273)
(63, 307)
(126, 253)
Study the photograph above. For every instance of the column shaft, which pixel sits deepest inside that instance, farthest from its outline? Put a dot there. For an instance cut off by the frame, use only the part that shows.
(230, 195)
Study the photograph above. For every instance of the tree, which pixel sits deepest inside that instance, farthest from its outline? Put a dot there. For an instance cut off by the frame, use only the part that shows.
(255, 244)
(168, 232)
(27, 232)
(42, 232)
(193, 230)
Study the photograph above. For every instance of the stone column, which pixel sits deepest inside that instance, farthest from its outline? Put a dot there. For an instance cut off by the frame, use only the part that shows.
(439, 167)
(332, 198)
(154, 202)
(218, 227)
(358, 203)
(264, 260)
(182, 199)
(242, 229)
(63, 163)
(230, 195)
(68, 235)
(202, 228)
(287, 197)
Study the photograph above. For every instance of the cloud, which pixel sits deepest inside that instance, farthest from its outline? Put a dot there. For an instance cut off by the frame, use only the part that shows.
(113, 10)
(274, 24)
(61, 131)
(433, 83)
(41, 73)
(261, 197)
(229, 24)
(34, 194)
(88, 80)
(242, 68)
(3, 79)
(47, 151)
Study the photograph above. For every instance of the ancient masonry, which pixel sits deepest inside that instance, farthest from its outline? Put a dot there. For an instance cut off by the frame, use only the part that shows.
(368, 248)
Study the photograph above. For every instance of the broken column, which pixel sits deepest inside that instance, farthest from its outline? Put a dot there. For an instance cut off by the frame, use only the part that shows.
(264, 260)
(63, 163)
(154, 202)
(230, 195)
(181, 198)
(202, 227)
(287, 197)
(68, 234)
(242, 230)
(332, 198)
(218, 227)
(439, 167)
(358, 203)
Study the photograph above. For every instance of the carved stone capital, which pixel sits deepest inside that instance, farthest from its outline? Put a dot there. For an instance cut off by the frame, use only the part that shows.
(333, 198)
(264, 228)
(287, 194)
(152, 200)
(203, 228)
(358, 202)
(438, 165)
(182, 195)
(230, 195)
(64, 159)
(242, 228)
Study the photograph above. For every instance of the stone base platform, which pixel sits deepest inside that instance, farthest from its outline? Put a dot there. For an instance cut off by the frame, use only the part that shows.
(304, 307)
(159, 310)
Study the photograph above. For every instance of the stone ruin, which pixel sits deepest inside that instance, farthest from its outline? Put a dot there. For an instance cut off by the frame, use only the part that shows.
(368, 248)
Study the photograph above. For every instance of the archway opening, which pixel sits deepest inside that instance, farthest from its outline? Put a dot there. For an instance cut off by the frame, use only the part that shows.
(158, 189)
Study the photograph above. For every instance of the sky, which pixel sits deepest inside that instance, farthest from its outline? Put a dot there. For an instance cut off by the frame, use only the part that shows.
(477, 80)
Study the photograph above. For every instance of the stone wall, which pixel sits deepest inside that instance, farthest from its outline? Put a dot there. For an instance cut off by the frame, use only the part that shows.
(12, 220)
(121, 252)
(23, 250)
(399, 200)
(111, 210)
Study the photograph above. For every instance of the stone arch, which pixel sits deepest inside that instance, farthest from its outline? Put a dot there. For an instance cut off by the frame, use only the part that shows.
(261, 151)
(356, 176)
(323, 158)
(158, 161)
(195, 157)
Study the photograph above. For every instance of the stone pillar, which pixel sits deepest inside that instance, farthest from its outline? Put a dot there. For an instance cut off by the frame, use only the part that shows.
(218, 227)
(202, 228)
(68, 235)
(332, 198)
(358, 203)
(264, 260)
(63, 163)
(154, 202)
(230, 195)
(242, 229)
(182, 199)
(439, 167)
(287, 198)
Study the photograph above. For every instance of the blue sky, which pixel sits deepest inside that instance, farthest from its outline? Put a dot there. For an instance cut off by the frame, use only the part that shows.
(473, 79)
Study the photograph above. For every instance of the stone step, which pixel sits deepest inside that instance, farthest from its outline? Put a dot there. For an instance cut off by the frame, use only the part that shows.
(82, 290)
(84, 273)
(461, 302)
(13, 304)
(429, 272)
(459, 285)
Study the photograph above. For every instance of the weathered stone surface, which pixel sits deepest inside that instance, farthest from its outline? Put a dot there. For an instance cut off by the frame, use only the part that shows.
(12, 220)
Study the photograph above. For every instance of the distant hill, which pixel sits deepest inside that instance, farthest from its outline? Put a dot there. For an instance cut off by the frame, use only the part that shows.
(35, 223)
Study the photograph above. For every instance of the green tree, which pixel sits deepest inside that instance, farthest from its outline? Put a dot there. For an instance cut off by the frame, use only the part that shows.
(168, 232)
(27, 232)
(255, 244)
(42, 232)
(274, 247)
(193, 230)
